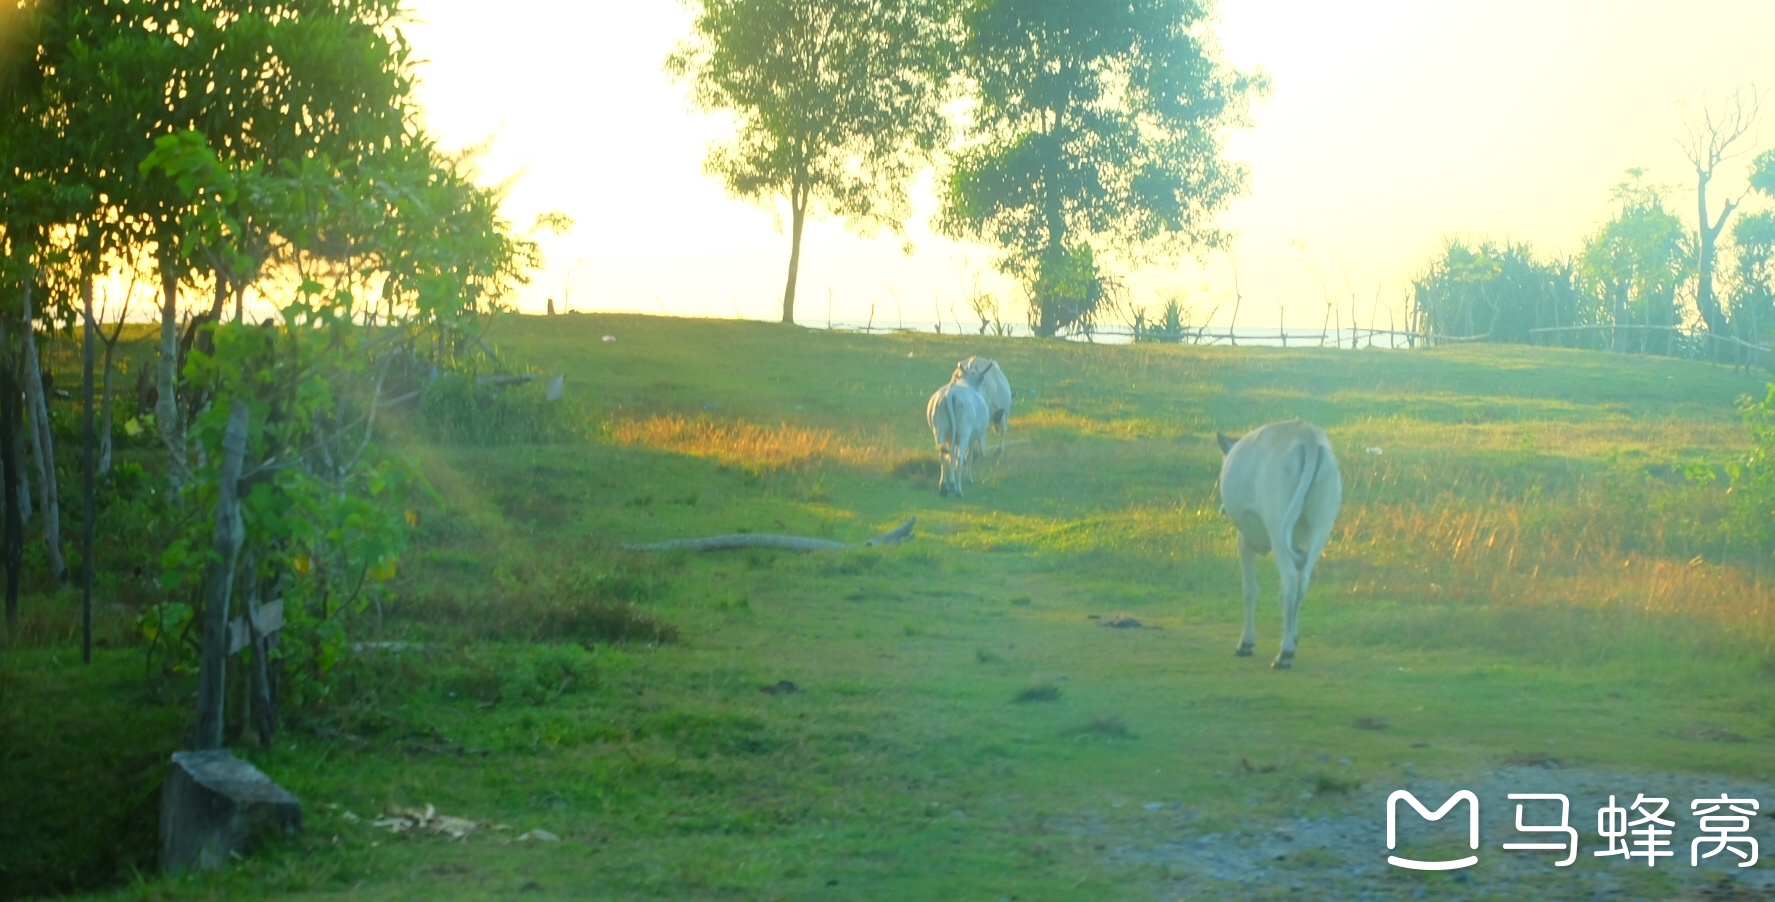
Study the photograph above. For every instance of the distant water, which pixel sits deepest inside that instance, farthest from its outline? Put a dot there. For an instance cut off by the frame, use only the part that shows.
(1112, 335)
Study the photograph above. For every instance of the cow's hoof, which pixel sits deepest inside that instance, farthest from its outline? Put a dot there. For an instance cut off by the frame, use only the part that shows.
(943, 491)
(1243, 652)
(1283, 662)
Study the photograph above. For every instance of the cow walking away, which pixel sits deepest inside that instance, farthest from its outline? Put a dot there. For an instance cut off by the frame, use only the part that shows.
(958, 417)
(985, 376)
(1281, 486)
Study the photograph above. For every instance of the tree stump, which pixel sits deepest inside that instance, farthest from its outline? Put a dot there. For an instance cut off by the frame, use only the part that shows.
(215, 806)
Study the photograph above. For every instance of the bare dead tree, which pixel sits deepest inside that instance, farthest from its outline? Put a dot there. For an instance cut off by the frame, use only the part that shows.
(1709, 141)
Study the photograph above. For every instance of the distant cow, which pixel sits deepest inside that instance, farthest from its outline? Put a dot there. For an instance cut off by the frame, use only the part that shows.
(987, 378)
(1281, 486)
(958, 418)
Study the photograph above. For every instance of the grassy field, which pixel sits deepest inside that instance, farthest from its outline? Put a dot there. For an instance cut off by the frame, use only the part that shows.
(1523, 576)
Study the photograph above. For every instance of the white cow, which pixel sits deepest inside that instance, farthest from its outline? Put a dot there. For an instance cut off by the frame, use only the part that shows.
(989, 380)
(958, 417)
(1281, 486)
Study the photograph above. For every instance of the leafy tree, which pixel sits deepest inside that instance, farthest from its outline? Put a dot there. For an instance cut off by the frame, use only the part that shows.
(837, 103)
(1762, 173)
(1096, 128)
(1498, 292)
(322, 507)
(1752, 279)
(265, 81)
(268, 146)
(1632, 270)
(1753, 271)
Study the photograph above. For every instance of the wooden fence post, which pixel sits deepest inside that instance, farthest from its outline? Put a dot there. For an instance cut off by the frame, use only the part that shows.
(226, 547)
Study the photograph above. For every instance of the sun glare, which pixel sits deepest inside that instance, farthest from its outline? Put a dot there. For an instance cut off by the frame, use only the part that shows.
(1390, 127)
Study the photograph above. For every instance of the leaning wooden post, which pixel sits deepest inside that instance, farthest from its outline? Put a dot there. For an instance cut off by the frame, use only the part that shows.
(226, 547)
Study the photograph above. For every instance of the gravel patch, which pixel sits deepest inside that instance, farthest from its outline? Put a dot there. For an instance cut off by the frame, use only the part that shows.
(1343, 853)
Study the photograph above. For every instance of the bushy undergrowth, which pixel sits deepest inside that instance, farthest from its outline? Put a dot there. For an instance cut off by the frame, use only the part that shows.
(457, 409)
(584, 604)
(1753, 480)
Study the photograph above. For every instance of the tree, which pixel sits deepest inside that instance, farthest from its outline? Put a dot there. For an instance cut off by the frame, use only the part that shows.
(1631, 270)
(1762, 173)
(1498, 292)
(1753, 270)
(1096, 128)
(1752, 278)
(267, 82)
(1707, 143)
(837, 103)
(269, 146)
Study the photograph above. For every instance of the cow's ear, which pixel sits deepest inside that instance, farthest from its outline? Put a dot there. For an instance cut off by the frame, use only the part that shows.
(1226, 444)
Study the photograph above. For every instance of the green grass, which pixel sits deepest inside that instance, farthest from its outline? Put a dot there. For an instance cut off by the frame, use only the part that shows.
(1522, 562)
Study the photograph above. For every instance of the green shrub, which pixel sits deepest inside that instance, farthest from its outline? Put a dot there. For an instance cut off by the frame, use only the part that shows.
(456, 409)
(1753, 481)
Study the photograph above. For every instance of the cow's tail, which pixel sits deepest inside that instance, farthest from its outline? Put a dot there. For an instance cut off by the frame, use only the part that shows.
(1309, 471)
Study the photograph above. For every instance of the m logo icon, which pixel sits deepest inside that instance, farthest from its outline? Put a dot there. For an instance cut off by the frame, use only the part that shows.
(1465, 795)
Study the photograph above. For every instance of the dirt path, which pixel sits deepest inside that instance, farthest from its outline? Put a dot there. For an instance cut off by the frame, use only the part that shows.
(1343, 855)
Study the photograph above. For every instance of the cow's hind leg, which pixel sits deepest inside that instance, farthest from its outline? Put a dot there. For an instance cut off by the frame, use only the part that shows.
(1248, 570)
(1291, 592)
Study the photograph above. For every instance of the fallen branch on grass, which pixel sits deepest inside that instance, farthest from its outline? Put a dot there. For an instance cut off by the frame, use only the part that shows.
(901, 533)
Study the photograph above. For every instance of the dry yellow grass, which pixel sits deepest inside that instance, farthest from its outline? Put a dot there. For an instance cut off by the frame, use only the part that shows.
(1499, 553)
(1125, 428)
(746, 445)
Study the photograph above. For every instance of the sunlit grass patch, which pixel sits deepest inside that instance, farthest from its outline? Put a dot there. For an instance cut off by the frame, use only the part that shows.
(747, 445)
(1494, 584)
(1660, 438)
(1126, 428)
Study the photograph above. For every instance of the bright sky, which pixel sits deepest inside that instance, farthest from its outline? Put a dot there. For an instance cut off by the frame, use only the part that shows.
(1391, 125)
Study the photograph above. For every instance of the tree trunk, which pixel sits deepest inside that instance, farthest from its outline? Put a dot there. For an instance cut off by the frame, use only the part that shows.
(1705, 301)
(12, 539)
(44, 445)
(87, 464)
(226, 544)
(104, 464)
(166, 408)
(1048, 319)
(22, 472)
(798, 216)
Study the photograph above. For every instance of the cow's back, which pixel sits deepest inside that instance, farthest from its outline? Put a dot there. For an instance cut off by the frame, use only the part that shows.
(985, 376)
(1262, 473)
